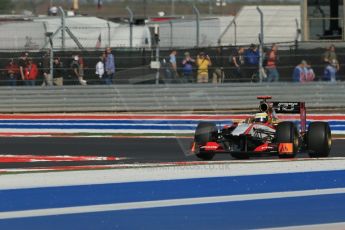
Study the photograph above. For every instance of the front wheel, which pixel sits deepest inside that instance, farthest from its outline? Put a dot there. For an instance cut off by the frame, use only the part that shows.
(319, 139)
(205, 132)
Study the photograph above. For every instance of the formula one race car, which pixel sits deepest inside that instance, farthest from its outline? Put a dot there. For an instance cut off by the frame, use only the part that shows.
(263, 134)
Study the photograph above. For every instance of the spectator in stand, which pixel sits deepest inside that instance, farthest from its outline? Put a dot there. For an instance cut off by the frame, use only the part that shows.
(100, 69)
(271, 66)
(203, 62)
(303, 73)
(75, 67)
(237, 60)
(58, 72)
(47, 78)
(330, 59)
(330, 55)
(30, 73)
(109, 67)
(170, 67)
(173, 65)
(299, 72)
(309, 73)
(23, 61)
(330, 73)
(12, 72)
(187, 69)
(252, 57)
(81, 66)
(218, 63)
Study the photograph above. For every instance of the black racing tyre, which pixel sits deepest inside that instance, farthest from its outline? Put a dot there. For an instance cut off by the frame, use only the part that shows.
(205, 132)
(319, 139)
(287, 132)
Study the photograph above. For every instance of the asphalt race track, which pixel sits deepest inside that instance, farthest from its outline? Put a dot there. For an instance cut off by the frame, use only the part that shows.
(133, 150)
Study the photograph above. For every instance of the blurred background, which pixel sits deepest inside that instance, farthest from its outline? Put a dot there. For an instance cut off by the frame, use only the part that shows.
(143, 33)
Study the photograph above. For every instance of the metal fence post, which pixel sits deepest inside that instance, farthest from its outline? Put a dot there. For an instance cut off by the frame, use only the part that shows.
(63, 27)
(157, 59)
(235, 32)
(233, 22)
(51, 61)
(210, 7)
(197, 13)
(298, 33)
(171, 33)
(49, 36)
(261, 40)
(172, 7)
(109, 42)
(51, 55)
(157, 51)
(130, 26)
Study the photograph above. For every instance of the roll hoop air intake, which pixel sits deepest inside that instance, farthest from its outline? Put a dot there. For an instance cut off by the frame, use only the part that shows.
(263, 107)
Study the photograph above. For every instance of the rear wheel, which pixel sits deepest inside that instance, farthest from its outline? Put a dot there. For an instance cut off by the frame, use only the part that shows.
(286, 132)
(319, 139)
(205, 132)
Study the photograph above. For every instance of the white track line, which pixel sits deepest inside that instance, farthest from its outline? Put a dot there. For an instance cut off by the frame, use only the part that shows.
(331, 226)
(165, 203)
(156, 172)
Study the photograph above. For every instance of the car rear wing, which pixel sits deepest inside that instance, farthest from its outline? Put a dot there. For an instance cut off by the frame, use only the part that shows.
(292, 108)
(285, 108)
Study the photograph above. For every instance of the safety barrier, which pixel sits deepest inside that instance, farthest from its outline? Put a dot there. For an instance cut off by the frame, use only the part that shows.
(166, 97)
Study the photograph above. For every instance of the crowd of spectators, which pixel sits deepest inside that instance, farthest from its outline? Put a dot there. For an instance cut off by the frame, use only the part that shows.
(242, 65)
(303, 72)
(33, 71)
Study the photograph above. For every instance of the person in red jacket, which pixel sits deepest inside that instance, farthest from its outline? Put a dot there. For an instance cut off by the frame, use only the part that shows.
(30, 73)
(12, 72)
(271, 66)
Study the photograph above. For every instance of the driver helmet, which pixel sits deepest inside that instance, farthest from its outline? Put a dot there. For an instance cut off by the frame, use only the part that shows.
(261, 117)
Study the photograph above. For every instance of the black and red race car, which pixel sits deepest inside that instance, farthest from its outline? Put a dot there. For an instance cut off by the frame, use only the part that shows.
(263, 134)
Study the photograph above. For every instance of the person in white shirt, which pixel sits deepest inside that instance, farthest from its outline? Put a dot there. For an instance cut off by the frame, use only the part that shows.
(100, 68)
